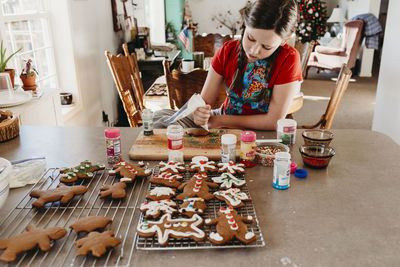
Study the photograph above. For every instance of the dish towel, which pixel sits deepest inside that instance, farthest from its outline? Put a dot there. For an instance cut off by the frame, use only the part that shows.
(27, 171)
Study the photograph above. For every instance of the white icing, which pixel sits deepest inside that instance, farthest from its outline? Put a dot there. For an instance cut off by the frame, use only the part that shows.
(171, 165)
(141, 163)
(231, 167)
(216, 236)
(207, 221)
(112, 172)
(203, 165)
(147, 172)
(198, 158)
(249, 217)
(233, 195)
(154, 207)
(169, 176)
(122, 163)
(192, 222)
(124, 179)
(234, 226)
(227, 180)
(249, 235)
(162, 191)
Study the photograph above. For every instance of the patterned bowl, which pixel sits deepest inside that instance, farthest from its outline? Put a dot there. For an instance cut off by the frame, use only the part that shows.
(316, 156)
(317, 137)
(265, 153)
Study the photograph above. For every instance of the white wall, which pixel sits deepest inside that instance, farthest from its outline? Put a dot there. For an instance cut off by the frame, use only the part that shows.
(387, 109)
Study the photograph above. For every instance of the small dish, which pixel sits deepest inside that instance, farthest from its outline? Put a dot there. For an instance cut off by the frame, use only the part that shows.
(265, 153)
(316, 156)
(317, 137)
(66, 98)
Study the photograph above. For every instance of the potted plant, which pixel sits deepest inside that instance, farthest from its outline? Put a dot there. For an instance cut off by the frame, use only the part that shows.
(4, 60)
(28, 76)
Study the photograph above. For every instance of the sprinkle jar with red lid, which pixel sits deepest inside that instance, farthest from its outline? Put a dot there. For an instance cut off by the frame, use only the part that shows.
(247, 148)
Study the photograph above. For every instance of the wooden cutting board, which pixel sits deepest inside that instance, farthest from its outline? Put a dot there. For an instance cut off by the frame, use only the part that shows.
(155, 147)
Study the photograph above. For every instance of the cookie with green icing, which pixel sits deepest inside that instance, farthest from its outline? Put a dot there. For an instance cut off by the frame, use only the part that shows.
(85, 170)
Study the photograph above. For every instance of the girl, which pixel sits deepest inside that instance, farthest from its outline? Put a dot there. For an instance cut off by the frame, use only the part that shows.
(261, 72)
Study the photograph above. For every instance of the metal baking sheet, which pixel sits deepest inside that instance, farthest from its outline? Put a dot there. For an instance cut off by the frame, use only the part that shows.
(213, 206)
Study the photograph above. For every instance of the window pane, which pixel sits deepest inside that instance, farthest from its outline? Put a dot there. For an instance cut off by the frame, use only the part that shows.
(14, 7)
(44, 63)
(51, 82)
(19, 32)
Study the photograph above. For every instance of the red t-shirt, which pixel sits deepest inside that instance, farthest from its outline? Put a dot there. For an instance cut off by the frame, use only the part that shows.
(286, 68)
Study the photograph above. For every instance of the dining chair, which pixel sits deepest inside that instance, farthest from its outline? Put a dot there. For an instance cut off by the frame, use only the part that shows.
(210, 43)
(182, 85)
(305, 50)
(336, 96)
(121, 71)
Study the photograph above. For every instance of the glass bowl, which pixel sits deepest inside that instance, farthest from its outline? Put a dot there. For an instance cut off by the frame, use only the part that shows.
(265, 153)
(317, 137)
(316, 156)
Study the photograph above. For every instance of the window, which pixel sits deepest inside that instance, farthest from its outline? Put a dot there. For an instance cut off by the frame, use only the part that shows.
(25, 24)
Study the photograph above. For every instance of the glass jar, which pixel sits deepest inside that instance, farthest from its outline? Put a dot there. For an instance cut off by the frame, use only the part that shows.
(147, 117)
(247, 148)
(286, 130)
(228, 148)
(175, 143)
(281, 178)
(113, 145)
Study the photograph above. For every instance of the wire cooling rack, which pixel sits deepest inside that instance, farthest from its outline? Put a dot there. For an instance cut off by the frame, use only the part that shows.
(63, 252)
(213, 206)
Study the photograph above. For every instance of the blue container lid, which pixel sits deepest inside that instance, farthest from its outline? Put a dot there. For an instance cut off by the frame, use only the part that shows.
(300, 173)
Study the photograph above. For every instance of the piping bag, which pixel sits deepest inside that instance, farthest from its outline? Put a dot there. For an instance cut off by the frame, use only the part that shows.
(194, 102)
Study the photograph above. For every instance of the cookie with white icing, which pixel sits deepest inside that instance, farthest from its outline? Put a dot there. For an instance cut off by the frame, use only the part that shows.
(167, 179)
(232, 197)
(158, 193)
(203, 166)
(171, 166)
(230, 225)
(178, 228)
(85, 170)
(198, 186)
(192, 205)
(153, 209)
(228, 180)
(231, 167)
(128, 172)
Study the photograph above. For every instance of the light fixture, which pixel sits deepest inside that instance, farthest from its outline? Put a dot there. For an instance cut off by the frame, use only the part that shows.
(337, 19)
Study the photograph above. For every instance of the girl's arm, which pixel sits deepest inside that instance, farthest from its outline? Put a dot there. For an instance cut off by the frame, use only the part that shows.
(280, 101)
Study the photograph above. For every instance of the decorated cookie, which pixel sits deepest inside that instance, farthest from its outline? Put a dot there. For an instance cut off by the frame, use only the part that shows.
(85, 170)
(227, 180)
(128, 172)
(178, 228)
(97, 243)
(232, 197)
(171, 166)
(62, 193)
(196, 187)
(230, 225)
(192, 205)
(90, 223)
(116, 191)
(167, 178)
(158, 193)
(30, 239)
(153, 209)
(231, 167)
(203, 166)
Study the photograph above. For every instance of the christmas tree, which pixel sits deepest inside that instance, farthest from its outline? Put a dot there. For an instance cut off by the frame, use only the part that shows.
(312, 23)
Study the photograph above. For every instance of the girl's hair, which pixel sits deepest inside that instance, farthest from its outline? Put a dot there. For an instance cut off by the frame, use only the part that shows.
(278, 15)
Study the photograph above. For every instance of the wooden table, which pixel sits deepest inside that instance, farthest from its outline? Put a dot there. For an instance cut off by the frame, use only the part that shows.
(345, 215)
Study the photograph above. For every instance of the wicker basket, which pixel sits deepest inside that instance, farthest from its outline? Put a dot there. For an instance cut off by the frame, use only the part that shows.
(9, 129)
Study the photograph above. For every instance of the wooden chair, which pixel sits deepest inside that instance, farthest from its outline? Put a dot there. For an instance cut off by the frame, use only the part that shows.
(210, 43)
(341, 85)
(305, 50)
(121, 71)
(136, 79)
(181, 86)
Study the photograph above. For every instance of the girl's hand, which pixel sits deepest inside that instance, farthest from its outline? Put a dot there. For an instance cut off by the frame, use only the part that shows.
(201, 115)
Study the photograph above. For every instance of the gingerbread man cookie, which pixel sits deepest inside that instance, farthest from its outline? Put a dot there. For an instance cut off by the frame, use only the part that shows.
(203, 166)
(62, 193)
(30, 239)
(128, 172)
(171, 166)
(227, 180)
(231, 167)
(178, 228)
(116, 191)
(85, 170)
(159, 193)
(192, 205)
(232, 196)
(90, 223)
(197, 187)
(230, 225)
(154, 209)
(167, 178)
(97, 243)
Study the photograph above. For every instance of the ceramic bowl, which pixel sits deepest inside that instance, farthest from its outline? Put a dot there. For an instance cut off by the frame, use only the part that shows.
(265, 153)
(316, 156)
(317, 137)
(5, 167)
